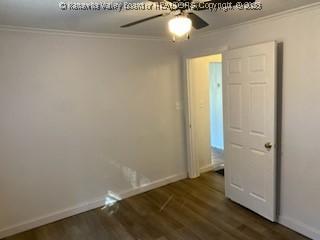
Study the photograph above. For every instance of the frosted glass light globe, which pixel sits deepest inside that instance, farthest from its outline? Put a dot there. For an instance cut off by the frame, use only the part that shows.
(180, 25)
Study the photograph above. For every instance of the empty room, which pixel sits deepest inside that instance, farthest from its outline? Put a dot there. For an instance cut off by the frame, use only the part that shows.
(159, 119)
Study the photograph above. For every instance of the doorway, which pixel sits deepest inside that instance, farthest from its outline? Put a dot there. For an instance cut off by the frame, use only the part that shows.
(250, 128)
(216, 115)
(206, 112)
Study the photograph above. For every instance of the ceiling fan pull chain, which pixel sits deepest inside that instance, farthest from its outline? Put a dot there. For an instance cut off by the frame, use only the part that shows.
(173, 38)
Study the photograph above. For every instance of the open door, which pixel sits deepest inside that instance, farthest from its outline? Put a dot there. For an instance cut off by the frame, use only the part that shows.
(249, 96)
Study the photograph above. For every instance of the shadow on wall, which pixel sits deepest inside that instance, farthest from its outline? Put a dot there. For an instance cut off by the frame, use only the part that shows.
(279, 120)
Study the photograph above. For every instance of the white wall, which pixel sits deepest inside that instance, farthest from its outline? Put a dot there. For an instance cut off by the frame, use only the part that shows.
(81, 116)
(300, 178)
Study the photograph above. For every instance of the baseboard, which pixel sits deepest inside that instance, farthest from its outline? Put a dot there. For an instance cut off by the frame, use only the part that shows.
(211, 167)
(153, 185)
(300, 227)
(218, 166)
(96, 203)
(207, 168)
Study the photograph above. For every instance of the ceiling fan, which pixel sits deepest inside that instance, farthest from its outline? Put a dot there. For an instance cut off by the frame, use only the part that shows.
(183, 21)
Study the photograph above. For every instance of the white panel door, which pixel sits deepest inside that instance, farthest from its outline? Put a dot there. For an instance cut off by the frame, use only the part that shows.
(249, 95)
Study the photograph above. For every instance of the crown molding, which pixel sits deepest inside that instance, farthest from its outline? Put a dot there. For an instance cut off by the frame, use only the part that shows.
(80, 34)
(272, 17)
(268, 18)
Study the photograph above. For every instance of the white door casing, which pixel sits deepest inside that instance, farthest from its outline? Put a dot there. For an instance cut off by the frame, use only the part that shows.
(198, 110)
(249, 98)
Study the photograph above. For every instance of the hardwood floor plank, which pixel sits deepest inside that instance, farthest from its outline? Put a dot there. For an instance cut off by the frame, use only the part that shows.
(218, 218)
(186, 210)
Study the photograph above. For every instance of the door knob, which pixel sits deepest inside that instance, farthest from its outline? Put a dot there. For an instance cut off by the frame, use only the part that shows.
(268, 146)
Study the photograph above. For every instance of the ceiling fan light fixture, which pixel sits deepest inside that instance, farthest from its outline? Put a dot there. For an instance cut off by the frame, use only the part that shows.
(180, 25)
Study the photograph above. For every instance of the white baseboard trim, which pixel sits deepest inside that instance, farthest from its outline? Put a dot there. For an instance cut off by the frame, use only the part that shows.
(153, 185)
(84, 207)
(300, 227)
(207, 168)
(217, 166)
(211, 167)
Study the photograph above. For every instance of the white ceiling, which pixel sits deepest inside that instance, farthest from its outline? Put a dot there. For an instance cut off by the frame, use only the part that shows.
(46, 14)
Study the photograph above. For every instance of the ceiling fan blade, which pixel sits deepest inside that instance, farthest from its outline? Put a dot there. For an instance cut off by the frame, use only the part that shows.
(142, 20)
(205, 5)
(197, 22)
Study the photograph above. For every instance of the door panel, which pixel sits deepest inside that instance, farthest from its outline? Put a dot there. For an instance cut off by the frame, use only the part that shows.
(249, 106)
(257, 114)
(234, 106)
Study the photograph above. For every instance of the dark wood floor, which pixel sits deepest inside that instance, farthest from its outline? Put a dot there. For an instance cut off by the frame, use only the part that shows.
(185, 210)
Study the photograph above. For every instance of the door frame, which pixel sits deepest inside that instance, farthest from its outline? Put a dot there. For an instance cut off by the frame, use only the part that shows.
(193, 167)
